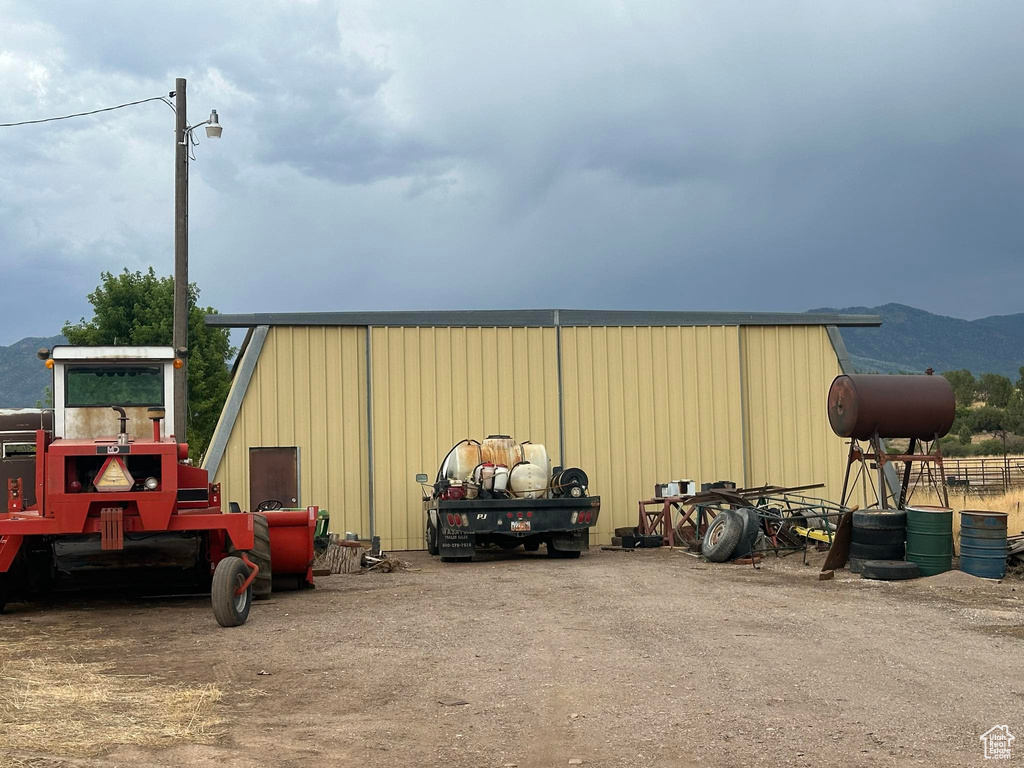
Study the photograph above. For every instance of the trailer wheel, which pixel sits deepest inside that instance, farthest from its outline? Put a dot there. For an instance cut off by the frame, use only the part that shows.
(263, 584)
(722, 536)
(430, 534)
(229, 609)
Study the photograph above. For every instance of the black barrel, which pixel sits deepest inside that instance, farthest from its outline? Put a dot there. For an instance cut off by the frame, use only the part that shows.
(862, 405)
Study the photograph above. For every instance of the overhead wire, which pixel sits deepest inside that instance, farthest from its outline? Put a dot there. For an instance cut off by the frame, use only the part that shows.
(164, 99)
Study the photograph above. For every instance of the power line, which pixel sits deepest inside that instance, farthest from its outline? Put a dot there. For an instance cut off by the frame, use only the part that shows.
(91, 112)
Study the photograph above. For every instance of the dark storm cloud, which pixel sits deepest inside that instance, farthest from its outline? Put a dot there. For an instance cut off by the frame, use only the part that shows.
(670, 155)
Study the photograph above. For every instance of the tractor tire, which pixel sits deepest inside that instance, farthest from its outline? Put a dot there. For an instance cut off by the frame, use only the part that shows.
(889, 570)
(722, 536)
(229, 609)
(263, 584)
(894, 551)
(880, 521)
(430, 537)
(751, 527)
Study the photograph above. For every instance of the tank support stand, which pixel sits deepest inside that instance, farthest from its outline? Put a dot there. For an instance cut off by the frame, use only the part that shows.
(927, 455)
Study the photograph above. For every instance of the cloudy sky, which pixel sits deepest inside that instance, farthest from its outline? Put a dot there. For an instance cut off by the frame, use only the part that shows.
(488, 153)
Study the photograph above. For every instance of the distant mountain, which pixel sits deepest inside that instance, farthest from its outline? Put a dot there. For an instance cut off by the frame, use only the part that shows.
(912, 340)
(23, 377)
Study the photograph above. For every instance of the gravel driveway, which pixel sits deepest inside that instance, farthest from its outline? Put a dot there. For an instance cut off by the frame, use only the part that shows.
(617, 659)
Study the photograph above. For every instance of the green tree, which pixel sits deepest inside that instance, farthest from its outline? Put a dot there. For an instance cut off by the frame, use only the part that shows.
(965, 434)
(965, 388)
(137, 309)
(995, 389)
(987, 419)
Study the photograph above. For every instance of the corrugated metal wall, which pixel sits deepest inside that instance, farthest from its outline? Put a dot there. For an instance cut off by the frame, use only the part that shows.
(644, 405)
(641, 405)
(308, 390)
(786, 375)
(435, 386)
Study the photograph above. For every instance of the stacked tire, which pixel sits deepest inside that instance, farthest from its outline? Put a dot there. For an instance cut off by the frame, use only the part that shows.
(877, 535)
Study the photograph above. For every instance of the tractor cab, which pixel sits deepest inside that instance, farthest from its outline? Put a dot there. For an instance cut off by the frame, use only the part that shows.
(112, 393)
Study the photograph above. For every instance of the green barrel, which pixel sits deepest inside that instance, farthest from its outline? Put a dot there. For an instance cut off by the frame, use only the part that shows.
(983, 543)
(930, 539)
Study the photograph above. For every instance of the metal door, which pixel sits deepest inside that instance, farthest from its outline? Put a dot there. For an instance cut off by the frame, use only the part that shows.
(274, 475)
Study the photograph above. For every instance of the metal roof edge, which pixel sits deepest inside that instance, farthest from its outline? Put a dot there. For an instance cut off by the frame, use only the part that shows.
(538, 318)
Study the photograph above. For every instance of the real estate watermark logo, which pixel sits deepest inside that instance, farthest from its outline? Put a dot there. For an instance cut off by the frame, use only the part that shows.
(998, 741)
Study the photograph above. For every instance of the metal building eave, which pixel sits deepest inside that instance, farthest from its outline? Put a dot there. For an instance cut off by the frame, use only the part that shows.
(543, 318)
(222, 433)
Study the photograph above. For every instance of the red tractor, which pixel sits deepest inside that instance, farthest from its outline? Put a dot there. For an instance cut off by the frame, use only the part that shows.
(116, 500)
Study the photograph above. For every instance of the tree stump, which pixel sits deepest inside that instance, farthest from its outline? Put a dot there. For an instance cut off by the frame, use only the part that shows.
(343, 556)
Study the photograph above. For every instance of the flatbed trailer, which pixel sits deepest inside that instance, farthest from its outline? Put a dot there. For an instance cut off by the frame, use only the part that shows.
(455, 529)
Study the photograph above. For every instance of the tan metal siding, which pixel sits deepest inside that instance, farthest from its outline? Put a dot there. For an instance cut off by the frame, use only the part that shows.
(787, 373)
(435, 386)
(309, 390)
(644, 405)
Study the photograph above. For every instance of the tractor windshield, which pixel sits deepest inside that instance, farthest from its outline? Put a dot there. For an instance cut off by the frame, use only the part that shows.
(124, 385)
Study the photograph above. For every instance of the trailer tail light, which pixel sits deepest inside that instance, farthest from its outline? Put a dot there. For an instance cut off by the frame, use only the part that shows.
(465, 519)
(573, 518)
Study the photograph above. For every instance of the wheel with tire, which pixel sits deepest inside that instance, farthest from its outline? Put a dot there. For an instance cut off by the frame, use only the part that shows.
(263, 584)
(889, 570)
(230, 609)
(894, 551)
(751, 527)
(430, 535)
(722, 536)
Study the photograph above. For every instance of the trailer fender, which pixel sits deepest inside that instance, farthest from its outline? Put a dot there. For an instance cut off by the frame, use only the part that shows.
(9, 547)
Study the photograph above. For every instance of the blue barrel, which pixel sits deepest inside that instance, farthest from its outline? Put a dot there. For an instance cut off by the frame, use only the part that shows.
(983, 545)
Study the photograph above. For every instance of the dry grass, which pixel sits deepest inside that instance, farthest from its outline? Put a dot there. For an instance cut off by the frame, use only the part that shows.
(70, 709)
(1012, 503)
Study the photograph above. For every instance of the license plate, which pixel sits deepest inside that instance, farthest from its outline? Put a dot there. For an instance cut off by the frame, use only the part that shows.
(520, 525)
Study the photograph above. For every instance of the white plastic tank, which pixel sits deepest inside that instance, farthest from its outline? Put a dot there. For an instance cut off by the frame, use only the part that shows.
(500, 479)
(529, 481)
(536, 453)
(462, 460)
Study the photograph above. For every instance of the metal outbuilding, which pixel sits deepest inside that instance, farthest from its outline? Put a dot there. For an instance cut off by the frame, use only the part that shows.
(351, 405)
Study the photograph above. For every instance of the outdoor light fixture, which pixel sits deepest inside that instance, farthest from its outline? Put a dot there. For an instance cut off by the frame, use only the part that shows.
(213, 127)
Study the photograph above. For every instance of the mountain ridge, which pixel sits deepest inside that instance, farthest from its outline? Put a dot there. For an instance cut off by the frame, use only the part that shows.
(911, 340)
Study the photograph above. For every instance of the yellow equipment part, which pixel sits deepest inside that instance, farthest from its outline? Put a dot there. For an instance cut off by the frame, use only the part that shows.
(814, 533)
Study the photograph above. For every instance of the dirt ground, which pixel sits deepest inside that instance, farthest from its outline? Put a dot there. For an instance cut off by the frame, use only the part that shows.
(617, 659)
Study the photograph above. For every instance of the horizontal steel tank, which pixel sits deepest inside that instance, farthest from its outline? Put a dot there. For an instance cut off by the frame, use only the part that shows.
(861, 405)
(983, 547)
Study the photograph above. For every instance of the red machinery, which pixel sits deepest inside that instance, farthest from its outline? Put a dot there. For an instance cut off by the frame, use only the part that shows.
(132, 499)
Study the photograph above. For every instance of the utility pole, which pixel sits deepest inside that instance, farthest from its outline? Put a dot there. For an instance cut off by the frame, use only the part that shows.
(180, 332)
